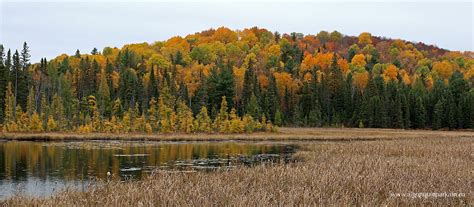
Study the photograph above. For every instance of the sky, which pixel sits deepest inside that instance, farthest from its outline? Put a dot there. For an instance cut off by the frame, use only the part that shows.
(53, 27)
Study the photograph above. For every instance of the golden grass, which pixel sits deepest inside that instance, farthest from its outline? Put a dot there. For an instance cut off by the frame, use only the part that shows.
(282, 134)
(329, 173)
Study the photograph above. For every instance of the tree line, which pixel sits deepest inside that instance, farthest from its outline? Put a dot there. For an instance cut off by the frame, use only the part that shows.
(227, 81)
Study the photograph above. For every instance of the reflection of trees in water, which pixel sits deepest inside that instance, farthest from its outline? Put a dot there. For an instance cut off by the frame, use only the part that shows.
(18, 160)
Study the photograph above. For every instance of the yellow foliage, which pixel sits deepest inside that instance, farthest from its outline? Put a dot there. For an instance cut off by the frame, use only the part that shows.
(469, 73)
(285, 81)
(87, 128)
(444, 69)
(115, 76)
(405, 77)
(391, 72)
(359, 60)
(203, 122)
(365, 38)
(35, 123)
(274, 50)
(361, 79)
(51, 125)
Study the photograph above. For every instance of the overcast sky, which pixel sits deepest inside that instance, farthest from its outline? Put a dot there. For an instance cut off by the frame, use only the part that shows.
(52, 27)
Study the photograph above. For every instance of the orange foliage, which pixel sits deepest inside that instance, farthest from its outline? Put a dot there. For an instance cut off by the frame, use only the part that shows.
(307, 77)
(391, 72)
(323, 60)
(361, 79)
(239, 80)
(263, 81)
(225, 35)
(308, 63)
(192, 76)
(248, 36)
(175, 44)
(444, 69)
(343, 65)
(405, 77)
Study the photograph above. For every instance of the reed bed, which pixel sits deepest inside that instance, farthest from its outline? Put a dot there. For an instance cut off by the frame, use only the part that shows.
(435, 171)
(308, 134)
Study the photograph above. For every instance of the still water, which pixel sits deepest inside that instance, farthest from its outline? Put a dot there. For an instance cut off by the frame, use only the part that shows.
(43, 168)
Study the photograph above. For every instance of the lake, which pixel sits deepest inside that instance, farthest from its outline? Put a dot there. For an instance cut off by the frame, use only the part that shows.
(43, 168)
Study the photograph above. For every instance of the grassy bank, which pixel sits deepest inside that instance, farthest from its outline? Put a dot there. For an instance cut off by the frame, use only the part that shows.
(345, 173)
(282, 134)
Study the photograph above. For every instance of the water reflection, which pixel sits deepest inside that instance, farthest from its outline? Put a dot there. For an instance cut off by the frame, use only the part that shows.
(41, 168)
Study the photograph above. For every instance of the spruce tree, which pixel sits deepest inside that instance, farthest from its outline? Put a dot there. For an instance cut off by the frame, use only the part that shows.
(3, 82)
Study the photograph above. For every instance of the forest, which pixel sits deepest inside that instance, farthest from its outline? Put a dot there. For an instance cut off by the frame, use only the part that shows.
(226, 81)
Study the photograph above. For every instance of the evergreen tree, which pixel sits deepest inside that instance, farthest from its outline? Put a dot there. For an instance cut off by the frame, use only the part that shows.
(77, 54)
(314, 117)
(438, 114)
(9, 107)
(253, 108)
(36, 124)
(278, 118)
(185, 118)
(103, 94)
(94, 51)
(31, 105)
(220, 84)
(3, 82)
(153, 89)
(221, 123)
(202, 122)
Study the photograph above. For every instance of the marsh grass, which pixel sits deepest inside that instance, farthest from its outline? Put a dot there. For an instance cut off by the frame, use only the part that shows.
(308, 134)
(328, 173)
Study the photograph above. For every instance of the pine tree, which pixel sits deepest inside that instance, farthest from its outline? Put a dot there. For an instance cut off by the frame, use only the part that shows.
(52, 125)
(30, 104)
(202, 122)
(236, 125)
(94, 51)
(21, 119)
(278, 118)
(23, 76)
(103, 94)
(185, 118)
(252, 107)
(3, 82)
(117, 110)
(165, 116)
(153, 114)
(153, 88)
(57, 112)
(314, 117)
(298, 116)
(9, 109)
(36, 125)
(438, 114)
(221, 123)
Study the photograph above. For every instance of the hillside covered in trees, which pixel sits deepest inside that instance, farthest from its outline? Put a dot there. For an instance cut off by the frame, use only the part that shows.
(227, 81)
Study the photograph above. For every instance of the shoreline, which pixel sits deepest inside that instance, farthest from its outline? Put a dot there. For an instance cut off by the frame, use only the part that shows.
(283, 134)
